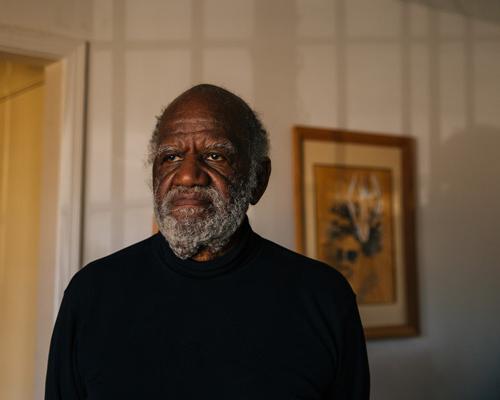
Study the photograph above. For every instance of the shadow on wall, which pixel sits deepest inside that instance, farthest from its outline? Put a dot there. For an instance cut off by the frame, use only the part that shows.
(486, 10)
(460, 255)
(463, 257)
(402, 369)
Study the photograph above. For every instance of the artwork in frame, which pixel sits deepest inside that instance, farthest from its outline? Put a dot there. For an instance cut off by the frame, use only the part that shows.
(355, 211)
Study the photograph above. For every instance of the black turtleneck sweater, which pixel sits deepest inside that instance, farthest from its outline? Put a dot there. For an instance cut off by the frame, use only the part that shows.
(257, 323)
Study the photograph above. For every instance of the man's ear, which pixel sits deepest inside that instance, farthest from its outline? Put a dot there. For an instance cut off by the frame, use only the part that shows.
(263, 174)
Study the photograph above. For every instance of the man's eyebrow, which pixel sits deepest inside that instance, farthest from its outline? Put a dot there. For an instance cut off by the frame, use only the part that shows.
(164, 148)
(226, 146)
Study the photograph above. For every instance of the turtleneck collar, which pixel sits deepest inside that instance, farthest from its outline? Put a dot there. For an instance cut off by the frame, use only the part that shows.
(233, 259)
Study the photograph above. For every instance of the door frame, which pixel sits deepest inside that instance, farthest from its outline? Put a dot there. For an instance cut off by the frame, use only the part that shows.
(63, 166)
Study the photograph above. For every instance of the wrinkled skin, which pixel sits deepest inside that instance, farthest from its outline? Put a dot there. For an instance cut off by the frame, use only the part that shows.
(203, 144)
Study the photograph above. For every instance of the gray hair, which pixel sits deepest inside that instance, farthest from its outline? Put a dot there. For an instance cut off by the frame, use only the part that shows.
(258, 139)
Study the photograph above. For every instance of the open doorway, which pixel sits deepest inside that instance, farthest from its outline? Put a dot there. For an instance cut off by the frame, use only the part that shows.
(42, 109)
(22, 89)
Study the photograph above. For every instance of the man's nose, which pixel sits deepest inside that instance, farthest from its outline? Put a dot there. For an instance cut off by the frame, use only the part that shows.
(191, 173)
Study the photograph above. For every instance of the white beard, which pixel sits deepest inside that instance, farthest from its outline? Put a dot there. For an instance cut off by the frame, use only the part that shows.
(213, 227)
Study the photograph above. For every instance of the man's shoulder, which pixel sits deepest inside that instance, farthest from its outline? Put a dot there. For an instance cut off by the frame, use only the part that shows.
(310, 271)
(113, 267)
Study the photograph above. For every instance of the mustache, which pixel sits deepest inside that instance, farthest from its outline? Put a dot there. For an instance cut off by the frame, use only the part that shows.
(207, 194)
(195, 193)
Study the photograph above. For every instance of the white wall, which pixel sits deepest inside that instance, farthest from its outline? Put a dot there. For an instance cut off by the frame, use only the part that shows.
(371, 65)
(377, 65)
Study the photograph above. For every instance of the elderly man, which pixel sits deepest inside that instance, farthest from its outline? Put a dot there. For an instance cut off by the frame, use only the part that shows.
(207, 309)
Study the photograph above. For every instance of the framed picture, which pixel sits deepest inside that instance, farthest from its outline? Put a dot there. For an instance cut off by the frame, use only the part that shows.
(355, 211)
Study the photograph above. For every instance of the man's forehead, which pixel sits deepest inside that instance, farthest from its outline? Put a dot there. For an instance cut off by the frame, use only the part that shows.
(205, 113)
(192, 125)
(202, 122)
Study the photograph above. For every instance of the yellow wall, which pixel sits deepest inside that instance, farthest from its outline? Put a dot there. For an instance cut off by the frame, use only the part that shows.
(21, 112)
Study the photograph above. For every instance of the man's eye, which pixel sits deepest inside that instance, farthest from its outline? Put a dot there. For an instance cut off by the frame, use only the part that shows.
(214, 157)
(171, 158)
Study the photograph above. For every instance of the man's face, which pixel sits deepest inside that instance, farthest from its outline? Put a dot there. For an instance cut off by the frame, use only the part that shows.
(199, 177)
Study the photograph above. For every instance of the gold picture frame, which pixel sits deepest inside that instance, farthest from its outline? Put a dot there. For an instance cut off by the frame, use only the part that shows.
(355, 210)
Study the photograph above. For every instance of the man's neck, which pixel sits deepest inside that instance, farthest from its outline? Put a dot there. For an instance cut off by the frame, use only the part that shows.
(205, 254)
